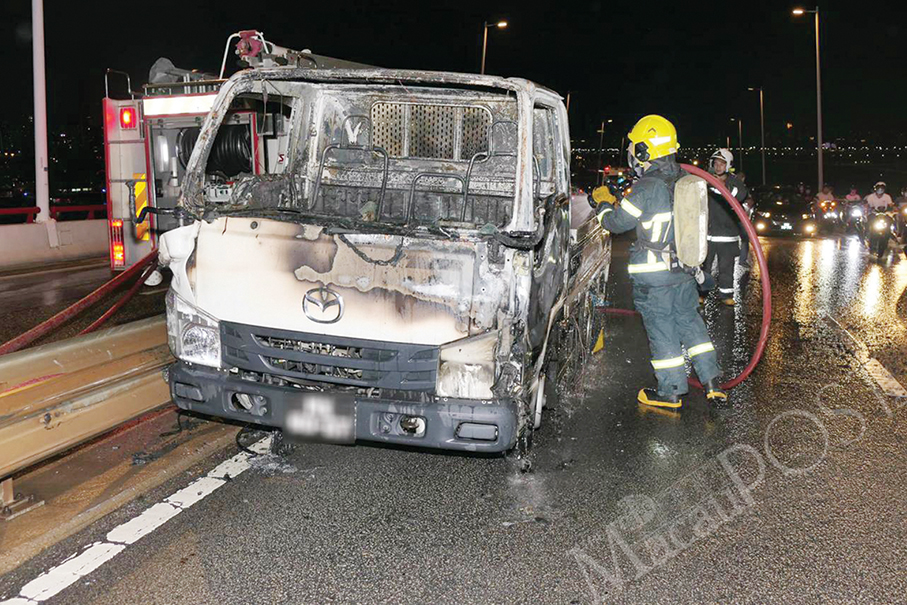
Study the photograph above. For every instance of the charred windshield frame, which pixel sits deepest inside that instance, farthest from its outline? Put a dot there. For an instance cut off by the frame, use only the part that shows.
(293, 197)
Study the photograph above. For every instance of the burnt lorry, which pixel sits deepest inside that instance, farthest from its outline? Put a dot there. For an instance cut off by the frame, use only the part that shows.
(405, 266)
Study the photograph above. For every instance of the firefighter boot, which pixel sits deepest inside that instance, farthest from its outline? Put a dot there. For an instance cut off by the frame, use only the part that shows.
(654, 398)
(714, 393)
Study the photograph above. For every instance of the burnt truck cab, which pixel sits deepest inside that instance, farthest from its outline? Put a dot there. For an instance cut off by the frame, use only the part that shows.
(399, 270)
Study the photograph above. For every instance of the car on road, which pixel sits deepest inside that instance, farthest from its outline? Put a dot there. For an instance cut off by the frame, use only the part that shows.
(780, 209)
(405, 267)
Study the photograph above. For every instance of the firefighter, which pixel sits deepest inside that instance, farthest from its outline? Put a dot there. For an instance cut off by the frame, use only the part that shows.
(724, 226)
(663, 293)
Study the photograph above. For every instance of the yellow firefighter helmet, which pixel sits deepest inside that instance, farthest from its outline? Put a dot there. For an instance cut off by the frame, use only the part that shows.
(653, 137)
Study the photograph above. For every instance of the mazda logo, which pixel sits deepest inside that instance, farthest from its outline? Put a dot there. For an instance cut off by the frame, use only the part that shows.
(319, 304)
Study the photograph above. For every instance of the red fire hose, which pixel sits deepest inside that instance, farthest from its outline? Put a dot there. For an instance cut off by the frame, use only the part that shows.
(123, 299)
(71, 311)
(763, 277)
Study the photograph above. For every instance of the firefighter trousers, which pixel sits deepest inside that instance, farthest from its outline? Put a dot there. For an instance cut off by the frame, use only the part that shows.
(671, 317)
(725, 253)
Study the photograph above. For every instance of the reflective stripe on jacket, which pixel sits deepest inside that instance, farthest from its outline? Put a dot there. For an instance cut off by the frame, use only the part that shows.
(649, 209)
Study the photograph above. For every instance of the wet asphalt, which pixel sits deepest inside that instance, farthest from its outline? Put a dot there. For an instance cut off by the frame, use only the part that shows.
(29, 297)
(796, 492)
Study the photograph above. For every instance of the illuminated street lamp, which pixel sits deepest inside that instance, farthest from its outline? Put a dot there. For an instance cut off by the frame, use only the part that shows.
(499, 25)
(798, 12)
(762, 124)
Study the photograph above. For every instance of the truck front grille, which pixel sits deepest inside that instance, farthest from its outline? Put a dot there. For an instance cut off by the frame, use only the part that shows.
(338, 360)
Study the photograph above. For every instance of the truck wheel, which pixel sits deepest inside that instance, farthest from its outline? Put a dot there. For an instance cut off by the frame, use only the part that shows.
(541, 393)
(523, 446)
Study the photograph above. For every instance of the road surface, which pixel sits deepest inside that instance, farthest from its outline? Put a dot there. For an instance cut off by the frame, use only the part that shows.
(795, 493)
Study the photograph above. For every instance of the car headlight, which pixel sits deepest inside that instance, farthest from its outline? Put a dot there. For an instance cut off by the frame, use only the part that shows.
(810, 227)
(193, 335)
(766, 214)
(760, 226)
(466, 368)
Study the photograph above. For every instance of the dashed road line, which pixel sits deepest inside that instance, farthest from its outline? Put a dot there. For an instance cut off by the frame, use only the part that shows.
(879, 373)
(93, 556)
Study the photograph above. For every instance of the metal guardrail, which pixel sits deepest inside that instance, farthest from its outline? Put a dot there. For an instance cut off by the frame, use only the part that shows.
(57, 396)
(55, 211)
(29, 212)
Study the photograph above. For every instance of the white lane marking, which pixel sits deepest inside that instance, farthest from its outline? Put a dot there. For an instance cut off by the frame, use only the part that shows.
(79, 565)
(201, 488)
(53, 581)
(886, 381)
(881, 375)
(144, 524)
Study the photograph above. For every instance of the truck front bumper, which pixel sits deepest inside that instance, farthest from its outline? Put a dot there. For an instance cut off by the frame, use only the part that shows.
(450, 424)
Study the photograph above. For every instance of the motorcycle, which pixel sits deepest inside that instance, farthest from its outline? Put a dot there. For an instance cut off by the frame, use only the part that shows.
(829, 216)
(902, 224)
(854, 219)
(880, 227)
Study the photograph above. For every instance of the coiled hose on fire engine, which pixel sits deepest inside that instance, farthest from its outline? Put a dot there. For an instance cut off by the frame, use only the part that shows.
(231, 152)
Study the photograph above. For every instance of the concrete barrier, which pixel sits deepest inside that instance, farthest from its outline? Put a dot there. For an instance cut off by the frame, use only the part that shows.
(36, 244)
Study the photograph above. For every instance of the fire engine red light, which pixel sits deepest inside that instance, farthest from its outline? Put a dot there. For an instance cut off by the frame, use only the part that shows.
(127, 117)
(117, 245)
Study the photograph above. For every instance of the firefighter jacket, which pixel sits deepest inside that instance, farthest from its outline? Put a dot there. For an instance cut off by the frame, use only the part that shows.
(649, 209)
(724, 226)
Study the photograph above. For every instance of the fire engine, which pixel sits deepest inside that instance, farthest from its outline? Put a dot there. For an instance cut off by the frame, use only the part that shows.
(149, 136)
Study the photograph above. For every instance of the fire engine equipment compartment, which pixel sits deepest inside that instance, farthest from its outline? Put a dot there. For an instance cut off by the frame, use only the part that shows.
(400, 271)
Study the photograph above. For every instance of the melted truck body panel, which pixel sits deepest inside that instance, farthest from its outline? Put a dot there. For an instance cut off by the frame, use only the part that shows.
(428, 297)
(402, 265)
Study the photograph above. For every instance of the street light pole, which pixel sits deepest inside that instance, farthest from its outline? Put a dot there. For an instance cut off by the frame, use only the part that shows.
(499, 25)
(800, 11)
(762, 125)
(739, 140)
(601, 143)
(819, 104)
(42, 185)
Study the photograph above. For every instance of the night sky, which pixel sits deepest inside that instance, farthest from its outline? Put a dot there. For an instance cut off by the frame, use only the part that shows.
(691, 62)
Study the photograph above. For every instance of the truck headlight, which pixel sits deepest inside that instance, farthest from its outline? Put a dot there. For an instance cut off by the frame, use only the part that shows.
(466, 369)
(193, 335)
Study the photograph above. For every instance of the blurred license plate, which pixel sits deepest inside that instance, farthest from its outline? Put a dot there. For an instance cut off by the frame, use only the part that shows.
(787, 226)
(321, 417)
